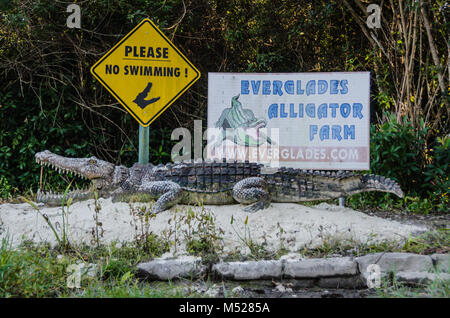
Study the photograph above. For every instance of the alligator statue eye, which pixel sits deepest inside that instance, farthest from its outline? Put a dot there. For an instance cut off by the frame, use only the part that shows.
(92, 161)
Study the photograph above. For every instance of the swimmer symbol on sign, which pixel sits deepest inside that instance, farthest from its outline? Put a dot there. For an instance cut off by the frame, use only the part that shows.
(140, 98)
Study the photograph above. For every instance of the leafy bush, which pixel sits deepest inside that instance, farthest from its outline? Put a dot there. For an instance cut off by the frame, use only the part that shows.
(6, 190)
(436, 181)
(399, 152)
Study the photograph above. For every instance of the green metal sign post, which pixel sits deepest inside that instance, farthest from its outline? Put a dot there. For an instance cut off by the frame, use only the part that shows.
(143, 144)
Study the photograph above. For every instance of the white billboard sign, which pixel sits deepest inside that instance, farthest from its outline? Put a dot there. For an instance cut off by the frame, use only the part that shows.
(301, 120)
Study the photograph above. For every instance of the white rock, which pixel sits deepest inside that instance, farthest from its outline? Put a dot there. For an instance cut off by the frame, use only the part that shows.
(282, 289)
(237, 290)
(213, 291)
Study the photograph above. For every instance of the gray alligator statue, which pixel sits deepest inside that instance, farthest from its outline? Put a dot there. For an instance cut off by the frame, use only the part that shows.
(242, 125)
(208, 182)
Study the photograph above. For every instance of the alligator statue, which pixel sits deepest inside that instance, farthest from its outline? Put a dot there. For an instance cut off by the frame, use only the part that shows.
(212, 182)
(240, 125)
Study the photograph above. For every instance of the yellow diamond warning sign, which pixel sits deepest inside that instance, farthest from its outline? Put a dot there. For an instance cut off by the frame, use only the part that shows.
(145, 72)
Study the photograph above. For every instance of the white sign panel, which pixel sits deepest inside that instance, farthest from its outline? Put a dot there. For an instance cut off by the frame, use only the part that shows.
(300, 120)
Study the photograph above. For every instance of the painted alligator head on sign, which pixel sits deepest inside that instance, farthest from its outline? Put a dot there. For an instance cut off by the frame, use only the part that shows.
(104, 176)
(243, 125)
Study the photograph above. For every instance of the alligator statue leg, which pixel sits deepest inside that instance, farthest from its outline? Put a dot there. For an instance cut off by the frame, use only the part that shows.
(252, 191)
(167, 193)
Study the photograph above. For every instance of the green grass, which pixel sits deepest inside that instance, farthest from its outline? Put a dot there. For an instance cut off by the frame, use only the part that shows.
(130, 289)
(33, 272)
(435, 241)
(38, 270)
(393, 289)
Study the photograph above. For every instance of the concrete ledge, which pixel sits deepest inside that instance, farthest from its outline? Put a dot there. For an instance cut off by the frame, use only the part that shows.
(165, 269)
(395, 262)
(441, 262)
(301, 283)
(334, 272)
(352, 282)
(248, 270)
(320, 267)
(420, 278)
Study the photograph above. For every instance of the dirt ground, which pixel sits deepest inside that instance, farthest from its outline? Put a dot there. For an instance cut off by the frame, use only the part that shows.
(293, 226)
(432, 221)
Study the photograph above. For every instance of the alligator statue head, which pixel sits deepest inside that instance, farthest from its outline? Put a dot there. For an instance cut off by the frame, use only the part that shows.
(105, 177)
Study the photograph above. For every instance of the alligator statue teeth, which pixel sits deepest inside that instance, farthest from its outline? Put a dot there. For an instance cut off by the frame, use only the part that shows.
(210, 182)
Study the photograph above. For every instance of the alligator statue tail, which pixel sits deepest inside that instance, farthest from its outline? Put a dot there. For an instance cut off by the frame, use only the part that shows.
(354, 183)
(380, 183)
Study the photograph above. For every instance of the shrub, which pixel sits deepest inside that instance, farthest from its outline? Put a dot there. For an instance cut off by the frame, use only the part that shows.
(400, 152)
(436, 182)
(397, 152)
(30, 272)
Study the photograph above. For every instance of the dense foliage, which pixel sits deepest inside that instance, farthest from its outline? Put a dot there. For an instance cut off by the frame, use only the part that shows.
(401, 152)
(49, 100)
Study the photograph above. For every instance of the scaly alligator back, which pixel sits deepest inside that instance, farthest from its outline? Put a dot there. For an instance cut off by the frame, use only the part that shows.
(294, 185)
(212, 182)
